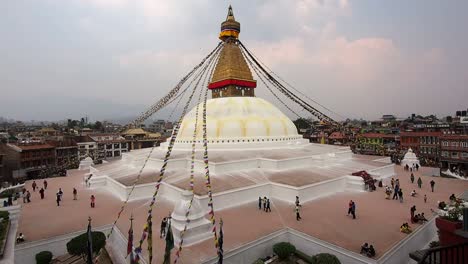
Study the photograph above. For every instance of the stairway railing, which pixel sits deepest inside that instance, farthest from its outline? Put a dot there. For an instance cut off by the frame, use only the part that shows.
(453, 254)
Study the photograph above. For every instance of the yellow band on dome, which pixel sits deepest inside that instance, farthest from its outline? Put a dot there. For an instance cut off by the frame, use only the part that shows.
(229, 33)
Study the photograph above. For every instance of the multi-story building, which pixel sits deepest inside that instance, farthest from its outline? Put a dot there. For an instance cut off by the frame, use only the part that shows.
(425, 144)
(66, 152)
(87, 147)
(2, 174)
(454, 153)
(158, 126)
(376, 143)
(139, 138)
(113, 145)
(25, 161)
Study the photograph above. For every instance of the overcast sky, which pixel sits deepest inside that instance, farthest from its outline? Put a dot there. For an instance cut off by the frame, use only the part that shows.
(112, 58)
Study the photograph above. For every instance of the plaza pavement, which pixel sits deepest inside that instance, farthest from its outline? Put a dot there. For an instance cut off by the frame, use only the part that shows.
(378, 220)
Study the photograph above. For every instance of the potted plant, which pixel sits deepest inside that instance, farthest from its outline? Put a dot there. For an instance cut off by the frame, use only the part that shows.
(448, 223)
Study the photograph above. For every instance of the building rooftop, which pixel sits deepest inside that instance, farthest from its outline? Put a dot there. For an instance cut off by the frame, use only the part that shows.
(30, 146)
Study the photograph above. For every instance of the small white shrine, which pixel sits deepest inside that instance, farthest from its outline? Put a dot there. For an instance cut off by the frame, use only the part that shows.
(410, 159)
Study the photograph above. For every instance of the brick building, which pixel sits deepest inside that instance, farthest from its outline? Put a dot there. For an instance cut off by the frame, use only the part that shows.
(454, 153)
(66, 152)
(425, 144)
(25, 161)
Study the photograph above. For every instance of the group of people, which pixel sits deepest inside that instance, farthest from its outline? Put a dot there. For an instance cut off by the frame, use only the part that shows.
(368, 250)
(414, 167)
(395, 189)
(417, 218)
(265, 202)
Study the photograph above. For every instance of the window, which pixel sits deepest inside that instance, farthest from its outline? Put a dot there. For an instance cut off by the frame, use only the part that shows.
(109, 154)
(116, 153)
(455, 155)
(117, 145)
(444, 153)
(465, 155)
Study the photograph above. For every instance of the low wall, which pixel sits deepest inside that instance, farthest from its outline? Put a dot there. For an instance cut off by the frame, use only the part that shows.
(262, 247)
(26, 252)
(415, 241)
(235, 197)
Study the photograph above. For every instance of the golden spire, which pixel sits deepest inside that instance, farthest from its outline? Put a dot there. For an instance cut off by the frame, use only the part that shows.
(232, 75)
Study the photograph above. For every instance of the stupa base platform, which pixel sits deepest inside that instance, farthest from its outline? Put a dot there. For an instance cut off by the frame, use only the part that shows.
(324, 224)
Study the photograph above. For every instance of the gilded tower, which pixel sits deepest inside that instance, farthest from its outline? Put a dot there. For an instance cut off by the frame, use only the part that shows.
(232, 76)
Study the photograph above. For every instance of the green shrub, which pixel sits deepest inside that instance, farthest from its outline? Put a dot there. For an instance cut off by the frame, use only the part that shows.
(434, 244)
(5, 215)
(283, 250)
(78, 245)
(7, 193)
(44, 257)
(325, 258)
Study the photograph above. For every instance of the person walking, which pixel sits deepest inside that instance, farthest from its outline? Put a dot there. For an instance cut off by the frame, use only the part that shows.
(412, 178)
(59, 198)
(24, 195)
(400, 194)
(298, 215)
(34, 185)
(393, 183)
(432, 185)
(28, 196)
(268, 209)
(412, 211)
(93, 201)
(75, 194)
(259, 203)
(61, 193)
(353, 210)
(163, 228)
(395, 192)
(419, 182)
(264, 203)
(297, 201)
(45, 184)
(425, 199)
(350, 206)
(41, 192)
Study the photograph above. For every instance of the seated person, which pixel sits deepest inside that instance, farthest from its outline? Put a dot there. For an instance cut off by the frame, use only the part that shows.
(452, 197)
(417, 218)
(422, 218)
(413, 193)
(371, 252)
(365, 249)
(20, 238)
(405, 228)
(5, 203)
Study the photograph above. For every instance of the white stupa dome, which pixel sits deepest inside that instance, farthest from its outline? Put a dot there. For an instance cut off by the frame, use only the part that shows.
(239, 120)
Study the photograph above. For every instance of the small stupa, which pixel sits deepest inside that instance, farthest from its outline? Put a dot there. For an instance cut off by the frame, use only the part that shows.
(410, 159)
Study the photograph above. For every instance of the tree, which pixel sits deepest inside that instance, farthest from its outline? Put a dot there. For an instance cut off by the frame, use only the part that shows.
(301, 123)
(77, 246)
(98, 126)
(44, 257)
(284, 250)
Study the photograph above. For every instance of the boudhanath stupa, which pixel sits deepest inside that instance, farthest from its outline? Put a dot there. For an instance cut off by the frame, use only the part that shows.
(254, 150)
